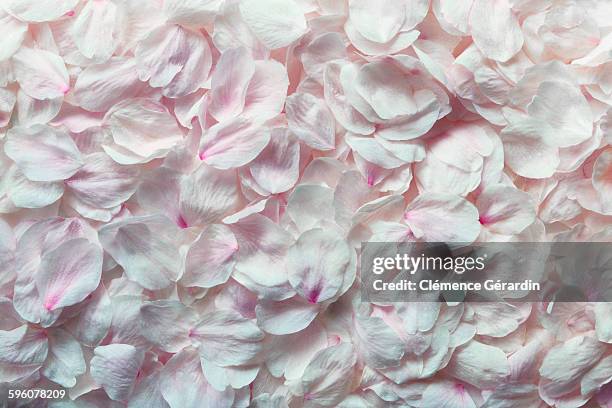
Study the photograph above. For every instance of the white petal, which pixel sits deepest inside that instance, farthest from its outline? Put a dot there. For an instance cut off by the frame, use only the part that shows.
(166, 324)
(495, 29)
(277, 28)
(93, 31)
(39, 11)
(311, 121)
(276, 169)
(317, 264)
(43, 153)
(22, 352)
(446, 394)
(208, 195)
(380, 345)
(169, 54)
(505, 210)
(211, 258)
(327, 379)
(227, 338)
(146, 247)
(63, 279)
(114, 367)
(230, 81)
(389, 15)
(98, 87)
(267, 91)
(41, 74)
(65, 361)
(480, 365)
(183, 384)
(287, 316)
(142, 130)
(443, 218)
(565, 109)
(12, 33)
(31, 194)
(233, 144)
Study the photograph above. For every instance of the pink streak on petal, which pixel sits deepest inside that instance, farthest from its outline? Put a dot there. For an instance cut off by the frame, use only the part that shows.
(181, 222)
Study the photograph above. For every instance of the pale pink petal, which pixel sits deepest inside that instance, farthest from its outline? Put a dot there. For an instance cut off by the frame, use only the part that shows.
(206, 196)
(147, 393)
(12, 33)
(183, 384)
(32, 111)
(455, 180)
(566, 363)
(289, 355)
(565, 109)
(222, 377)
(233, 144)
(602, 175)
(91, 325)
(603, 326)
(175, 58)
(452, 15)
(260, 257)
(336, 99)
(23, 352)
(278, 29)
(159, 192)
(276, 169)
(286, 316)
(437, 217)
(326, 47)
(31, 194)
(389, 14)
(64, 280)
(192, 13)
(372, 150)
(94, 31)
(39, 11)
(146, 247)
(102, 183)
(65, 360)
(401, 41)
(266, 92)
(495, 29)
(447, 394)
(231, 31)
(310, 206)
(497, 319)
(317, 264)
(598, 376)
(379, 345)
(115, 367)
(327, 379)
(311, 121)
(166, 324)
(230, 81)
(211, 258)
(7, 103)
(142, 128)
(525, 151)
(98, 87)
(227, 338)
(43, 153)
(41, 74)
(479, 364)
(125, 321)
(505, 209)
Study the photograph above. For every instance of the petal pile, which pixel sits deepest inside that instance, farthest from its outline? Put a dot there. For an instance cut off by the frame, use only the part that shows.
(185, 186)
